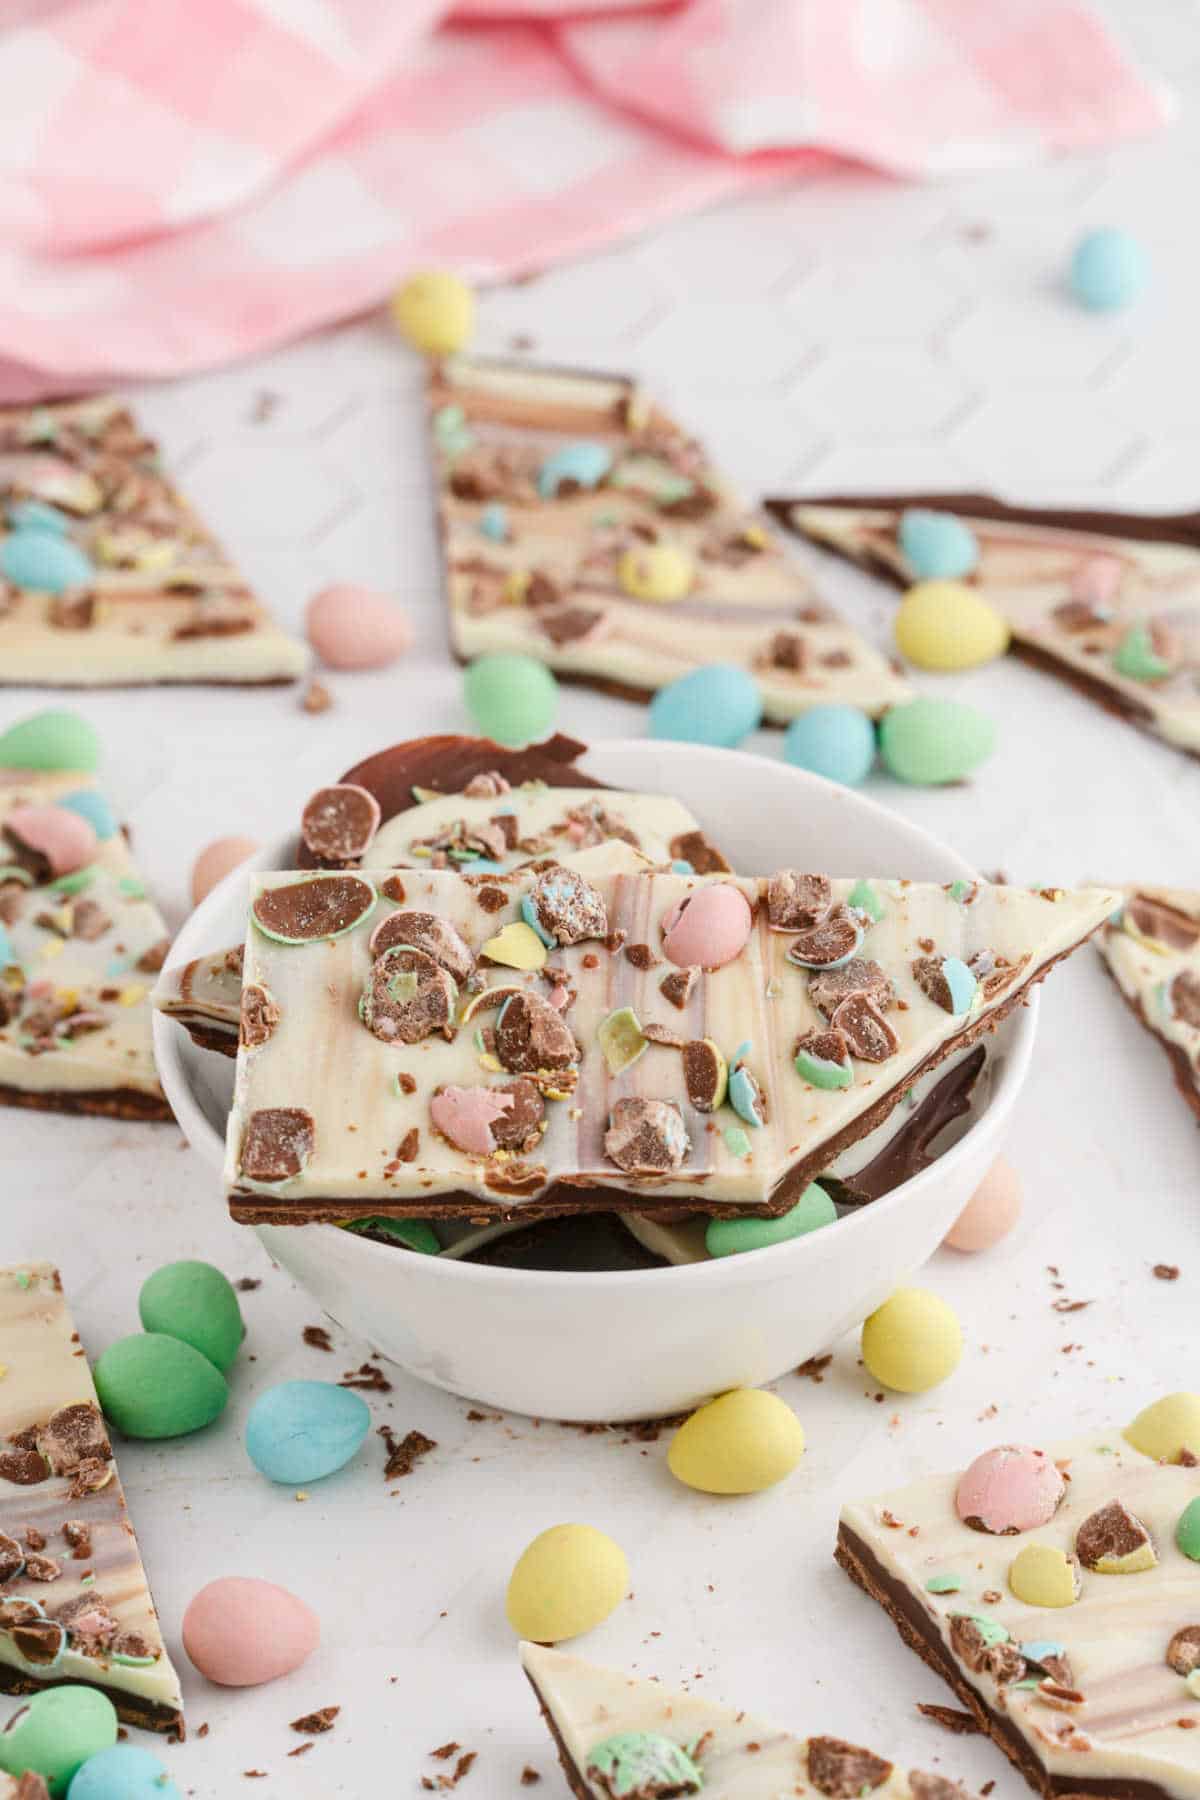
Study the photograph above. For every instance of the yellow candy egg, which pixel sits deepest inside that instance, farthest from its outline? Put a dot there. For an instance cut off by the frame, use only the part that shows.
(435, 311)
(656, 572)
(739, 1444)
(1167, 1428)
(567, 1581)
(946, 625)
(1040, 1575)
(912, 1342)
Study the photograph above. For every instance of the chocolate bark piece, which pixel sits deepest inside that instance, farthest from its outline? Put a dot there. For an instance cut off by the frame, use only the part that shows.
(867, 1033)
(844, 1770)
(407, 997)
(797, 902)
(260, 1014)
(425, 931)
(338, 823)
(567, 907)
(303, 912)
(828, 988)
(278, 1141)
(646, 1137)
(531, 1035)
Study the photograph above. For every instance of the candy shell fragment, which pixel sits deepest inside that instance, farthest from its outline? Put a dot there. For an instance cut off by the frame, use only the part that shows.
(516, 946)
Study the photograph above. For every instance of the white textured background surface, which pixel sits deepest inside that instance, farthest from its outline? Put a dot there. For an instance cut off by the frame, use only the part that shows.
(853, 334)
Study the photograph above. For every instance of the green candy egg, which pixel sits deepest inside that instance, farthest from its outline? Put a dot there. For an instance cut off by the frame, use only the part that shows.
(55, 1732)
(511, 698)
(194, 1302)
(1187, 1532)
(931, 742)
(729, 1237)
(50, 740)
(155, 1386)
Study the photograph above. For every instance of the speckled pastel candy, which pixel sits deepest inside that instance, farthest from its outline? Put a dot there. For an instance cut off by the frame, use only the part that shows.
(741, 1443)
(913, 1341)
(1012, 1487)
(632, 1763)
(355, 627)
(1168, 1427)
(216, 861)
(936, 545)
(123, 1773)
(1043, 1575)
(581, 465)
(92, 806)
(990, 1213)
(837, 742)
(39, 561)
(195, 1303)
(154, 1386)
(946, 625)
(51, 741)
(730, 1237)
(567, 1581)
(241, 1632)
(718, 704)
(708, 928)
(435, 311)
(66, 839)
(301, 1431)
(53, 1733)
(931, 742)
(1109, 269)
(658, 572)
(512, 699)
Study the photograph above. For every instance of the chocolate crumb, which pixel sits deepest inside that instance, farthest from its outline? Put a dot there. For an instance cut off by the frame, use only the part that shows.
(1167, 1271)
(1069, 1306)
(301, 1750)
(445, 1751)
(246, 1284)
(410, 1143)
(815, 1367)
(317, 1338)
(403, 1455)
(529, 1776)
(317, 699)
(987, 1788)
(313, 1723)
(368, 1377)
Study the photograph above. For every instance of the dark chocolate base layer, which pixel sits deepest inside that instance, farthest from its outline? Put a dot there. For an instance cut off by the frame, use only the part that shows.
(147, 1715)
(920, 1633)
(1181, 1067)
(104, 1103)
(581, 1789)
(911, 1150)
(207, 1035)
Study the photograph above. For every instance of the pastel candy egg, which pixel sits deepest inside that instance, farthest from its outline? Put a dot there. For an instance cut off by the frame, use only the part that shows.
(466, 1116)
(435, 311)
(718, 704)
(581, 465)
(1187, 1531)
(837, 742)
(912, 1342)
(936, 545)
(945, 625)
(354, 627)
(1096, 580)
(195, 1303)
(1167, 1428)
(55, 1732)
(240, 1631)
(741, 1443)
(51, 740)
(93, 807)
(40, 561)
(66, 839)
(990, 1213)
(730, 1237)
(1010, 1488)
(216, 861)
(512, 699)
(1109, 269)
(154, 1386)
(930, 742)
(123, 1773)
(302, 1431)
(567, 1580)
(708, 928)
(1042, 1575)
(661, 572)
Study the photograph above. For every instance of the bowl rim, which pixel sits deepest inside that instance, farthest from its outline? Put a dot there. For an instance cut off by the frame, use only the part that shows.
(746, 1265)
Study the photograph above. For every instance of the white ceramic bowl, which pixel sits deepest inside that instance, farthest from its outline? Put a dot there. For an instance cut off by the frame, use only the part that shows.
(641, 1344)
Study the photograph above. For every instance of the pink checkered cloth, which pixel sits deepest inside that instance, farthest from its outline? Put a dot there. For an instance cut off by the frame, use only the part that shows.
(182, 185)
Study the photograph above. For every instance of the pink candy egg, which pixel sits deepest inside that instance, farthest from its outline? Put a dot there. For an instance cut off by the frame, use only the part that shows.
(241, 1632)
(990, 1213)
(215, 862)
(64, 838)
(1096, 580)
(466, 1116)
(353, 627)
(708, 928)
(1009, 1489)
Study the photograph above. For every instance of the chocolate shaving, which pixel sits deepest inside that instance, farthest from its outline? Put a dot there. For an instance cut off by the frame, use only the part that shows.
(962, 1724)
(317, 1338)
(313, 1723)
(367, 1377)
(403, 1455)
(1166, 1271)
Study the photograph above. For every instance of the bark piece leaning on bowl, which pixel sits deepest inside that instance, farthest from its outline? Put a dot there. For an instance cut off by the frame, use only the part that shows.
(1151, 948)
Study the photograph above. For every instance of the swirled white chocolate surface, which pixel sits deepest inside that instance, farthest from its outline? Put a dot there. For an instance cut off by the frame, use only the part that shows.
(74, 1601)
(369, 1077)
(583, 526)
(1152, 949)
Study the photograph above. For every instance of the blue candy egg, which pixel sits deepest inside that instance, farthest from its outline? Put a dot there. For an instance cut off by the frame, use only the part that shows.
(122, 1773)
(835, 741)
(493, 522)
(94, 808)
(301, 1430)
(37, 515)
(937, 546)
(584, 462)
(38, 559)
(717, 704)
(1108, 270)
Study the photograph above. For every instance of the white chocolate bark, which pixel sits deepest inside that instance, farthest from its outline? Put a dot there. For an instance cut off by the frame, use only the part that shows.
(320, 1058)
(494, 425)
(104, 978)
(45, 1370)
(1137, 1715)
(1156, 969)
(162, 603)
(739, 1756)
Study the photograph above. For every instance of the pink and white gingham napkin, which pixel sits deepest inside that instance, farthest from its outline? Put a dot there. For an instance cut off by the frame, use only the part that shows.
(184, 185)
